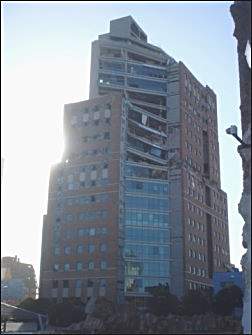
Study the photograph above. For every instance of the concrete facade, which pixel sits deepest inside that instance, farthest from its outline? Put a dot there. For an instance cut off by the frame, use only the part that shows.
(80, 234)
(241, 13)
(198, 207)
(168, 212)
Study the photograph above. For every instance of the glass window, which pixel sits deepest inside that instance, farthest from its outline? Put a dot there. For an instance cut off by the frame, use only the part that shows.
(92, 231)
(79, 266)
(55, 284)
(67, 250)
(147, 84)
(69, 217)
(103, 265)
(90, 283)
(80, 249)
(103, 283)
(65, 283)
(142, 70)
(91, 248)
(111, 66)
(78, 283)
(103, 247)
(56, 267)
(109, 79)
(106, 135)
(66, 267)
(90, 265)
(56, 251)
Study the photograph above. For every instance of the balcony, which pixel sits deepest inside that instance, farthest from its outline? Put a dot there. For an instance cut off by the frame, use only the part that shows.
(146, 122)
(144, 133)
(149, 150)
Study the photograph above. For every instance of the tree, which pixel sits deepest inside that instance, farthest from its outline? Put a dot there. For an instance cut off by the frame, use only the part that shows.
(104, 308)
(64, 314)
(195, 302)
(227, 299)
(162, 301)
(40, 305)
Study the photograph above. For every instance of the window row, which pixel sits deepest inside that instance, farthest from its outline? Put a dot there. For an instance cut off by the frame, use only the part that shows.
(80, 173)
(96, 137)
(85, 216)
(95, 123)
(194, 209)
(80, 249)
(196, 239)
(79, 283)
(139, 251)
(197, 271)
(143, 285)
(71, 234)
(95, 152)
(147, 235)
(146, 203)
(195, 194)
(79, 266)
(88, 199)
(196, 224)
(220, 236)
(219, 263)
(221, 250)
(220, 210)
(193, 164)
(134, 69)
(140, 117)
(146, 148)
(75, 186)
(146, 187)
(149, 85)
(96, 113)
(139, 218)
(197, 286)
(145, 172)
(191, 150)
(197, 255)
(81, 232)
(219, 223)
(191, 134)
(144, 268)
(147, 71)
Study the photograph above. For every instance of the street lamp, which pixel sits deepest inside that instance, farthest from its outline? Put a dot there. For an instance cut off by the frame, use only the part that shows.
(232, 130)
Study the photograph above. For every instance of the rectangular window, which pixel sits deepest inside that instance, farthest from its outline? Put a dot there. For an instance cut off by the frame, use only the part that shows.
(65, 283)
(109, 79)
(55, 284)
(91, 248)
(79, 266)
(91, 265)
(147, 84)
(103, 265)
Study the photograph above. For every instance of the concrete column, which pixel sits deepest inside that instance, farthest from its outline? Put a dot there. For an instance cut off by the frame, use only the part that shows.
(241, 13)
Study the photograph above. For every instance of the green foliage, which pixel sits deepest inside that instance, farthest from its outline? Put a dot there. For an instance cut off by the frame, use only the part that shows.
(196, 302)
(104, 308)
(227, 299)
(162, 301)
(64, 314)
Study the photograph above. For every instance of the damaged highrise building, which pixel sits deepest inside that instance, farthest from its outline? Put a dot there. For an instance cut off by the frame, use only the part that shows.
(137, 199)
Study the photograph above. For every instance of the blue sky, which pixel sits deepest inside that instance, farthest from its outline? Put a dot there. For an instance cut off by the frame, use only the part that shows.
(46, 63)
